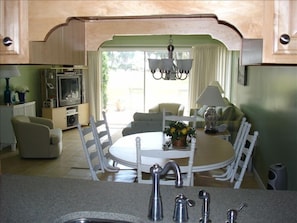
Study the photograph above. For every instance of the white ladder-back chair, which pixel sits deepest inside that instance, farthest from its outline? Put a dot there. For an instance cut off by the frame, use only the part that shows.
(103, 141)
(242, 136)
(147, 158)
(239, 136)
(91, 151)
(243, 160)
(189, 120)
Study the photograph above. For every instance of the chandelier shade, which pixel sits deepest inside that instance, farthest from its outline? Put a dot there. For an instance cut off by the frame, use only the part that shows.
(168, 68)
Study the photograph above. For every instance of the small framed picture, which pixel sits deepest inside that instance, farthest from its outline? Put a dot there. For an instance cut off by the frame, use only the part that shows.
(242, 75)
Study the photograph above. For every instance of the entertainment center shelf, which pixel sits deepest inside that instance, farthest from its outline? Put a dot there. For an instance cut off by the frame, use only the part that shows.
(69, 116)
(63, 99)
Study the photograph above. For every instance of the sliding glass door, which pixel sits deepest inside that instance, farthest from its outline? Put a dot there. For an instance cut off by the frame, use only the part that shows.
(131, 88)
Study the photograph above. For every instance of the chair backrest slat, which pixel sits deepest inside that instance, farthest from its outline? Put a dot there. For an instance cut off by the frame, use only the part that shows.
(244, 158)
(91, 152)
(103, 141)
(93, 146)
(190, 120)
(147, 158)
(239, 135)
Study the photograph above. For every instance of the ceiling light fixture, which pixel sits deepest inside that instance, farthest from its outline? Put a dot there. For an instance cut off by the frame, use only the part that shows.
(168, 69)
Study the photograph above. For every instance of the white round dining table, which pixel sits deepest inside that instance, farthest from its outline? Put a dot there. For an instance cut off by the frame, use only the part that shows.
(211, 152)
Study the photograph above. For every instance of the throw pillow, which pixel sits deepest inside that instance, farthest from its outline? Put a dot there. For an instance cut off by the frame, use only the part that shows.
(202, 110)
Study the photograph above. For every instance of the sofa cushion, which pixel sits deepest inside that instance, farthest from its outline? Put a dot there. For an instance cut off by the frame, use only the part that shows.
(151, 125)
(219, 112)
(228, 113)
(138, 116)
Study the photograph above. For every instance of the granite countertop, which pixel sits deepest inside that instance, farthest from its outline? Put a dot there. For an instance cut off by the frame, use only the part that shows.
(42, 199)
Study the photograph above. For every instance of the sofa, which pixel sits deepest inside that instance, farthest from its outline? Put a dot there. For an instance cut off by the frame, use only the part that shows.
(229, 115)
(144, 122)
(172, 108)
(36, 137)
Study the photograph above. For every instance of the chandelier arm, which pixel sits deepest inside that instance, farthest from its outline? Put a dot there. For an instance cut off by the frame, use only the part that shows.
(168, 68)
(181, 76)
(157, 78)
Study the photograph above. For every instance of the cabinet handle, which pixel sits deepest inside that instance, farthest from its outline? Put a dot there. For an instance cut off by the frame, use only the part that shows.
(284, 39)
(7, 41)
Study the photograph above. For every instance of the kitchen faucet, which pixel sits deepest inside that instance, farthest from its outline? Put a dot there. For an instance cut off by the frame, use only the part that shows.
(155, 206)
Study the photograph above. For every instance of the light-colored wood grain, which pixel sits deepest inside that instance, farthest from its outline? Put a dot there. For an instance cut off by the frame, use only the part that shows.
(14, 24)
(280, 18)
(59, 115)
(246, 16)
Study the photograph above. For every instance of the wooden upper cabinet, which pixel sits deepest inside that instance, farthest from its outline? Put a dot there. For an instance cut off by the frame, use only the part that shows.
(64, 45)
(280, 32)
(14, 31)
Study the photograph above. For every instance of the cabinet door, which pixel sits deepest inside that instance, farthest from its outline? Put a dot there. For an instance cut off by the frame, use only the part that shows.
(57, 115)
(59, 118)
(280, 32)
(83, 114)
(14, 25)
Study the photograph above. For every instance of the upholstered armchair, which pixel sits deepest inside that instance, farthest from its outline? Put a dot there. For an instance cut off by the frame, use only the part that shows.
(173, 108)
(36, 137)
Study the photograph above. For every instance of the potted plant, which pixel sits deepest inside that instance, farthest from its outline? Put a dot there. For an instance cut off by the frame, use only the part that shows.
(179, 132)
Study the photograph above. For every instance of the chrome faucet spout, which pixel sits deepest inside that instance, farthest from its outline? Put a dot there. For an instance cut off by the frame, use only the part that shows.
(155, 212)
(171, 165)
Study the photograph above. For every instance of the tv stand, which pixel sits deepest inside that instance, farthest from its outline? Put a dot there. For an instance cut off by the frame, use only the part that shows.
(69, 116)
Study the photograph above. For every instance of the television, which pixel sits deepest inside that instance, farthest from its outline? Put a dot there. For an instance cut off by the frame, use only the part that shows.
(69, 90)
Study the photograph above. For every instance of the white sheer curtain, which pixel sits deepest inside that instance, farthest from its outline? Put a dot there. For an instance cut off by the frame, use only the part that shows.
(93, 84)
(210, 62)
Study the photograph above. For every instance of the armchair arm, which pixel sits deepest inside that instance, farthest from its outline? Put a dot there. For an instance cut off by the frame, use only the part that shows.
(43, 121)
(55, 136)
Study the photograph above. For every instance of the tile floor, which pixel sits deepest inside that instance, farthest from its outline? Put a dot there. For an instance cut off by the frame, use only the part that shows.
(72, 164)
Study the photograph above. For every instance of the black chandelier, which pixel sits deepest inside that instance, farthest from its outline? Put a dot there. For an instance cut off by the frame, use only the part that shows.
(169, 70)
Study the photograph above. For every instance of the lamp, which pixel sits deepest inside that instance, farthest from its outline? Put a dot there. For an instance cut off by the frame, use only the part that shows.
(8, 71)
(168, 69)
(217, 84)
(212, 97)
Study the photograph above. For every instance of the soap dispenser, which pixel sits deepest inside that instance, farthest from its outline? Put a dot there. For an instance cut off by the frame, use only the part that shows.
(180, 214)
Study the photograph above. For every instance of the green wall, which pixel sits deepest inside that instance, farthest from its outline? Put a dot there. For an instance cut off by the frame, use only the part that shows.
(30, 77)
(270, 103)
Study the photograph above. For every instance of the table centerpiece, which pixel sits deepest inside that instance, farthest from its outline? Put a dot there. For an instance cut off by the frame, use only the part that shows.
(180, 133)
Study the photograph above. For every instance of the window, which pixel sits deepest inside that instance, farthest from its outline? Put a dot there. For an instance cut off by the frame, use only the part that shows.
(131, 88)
